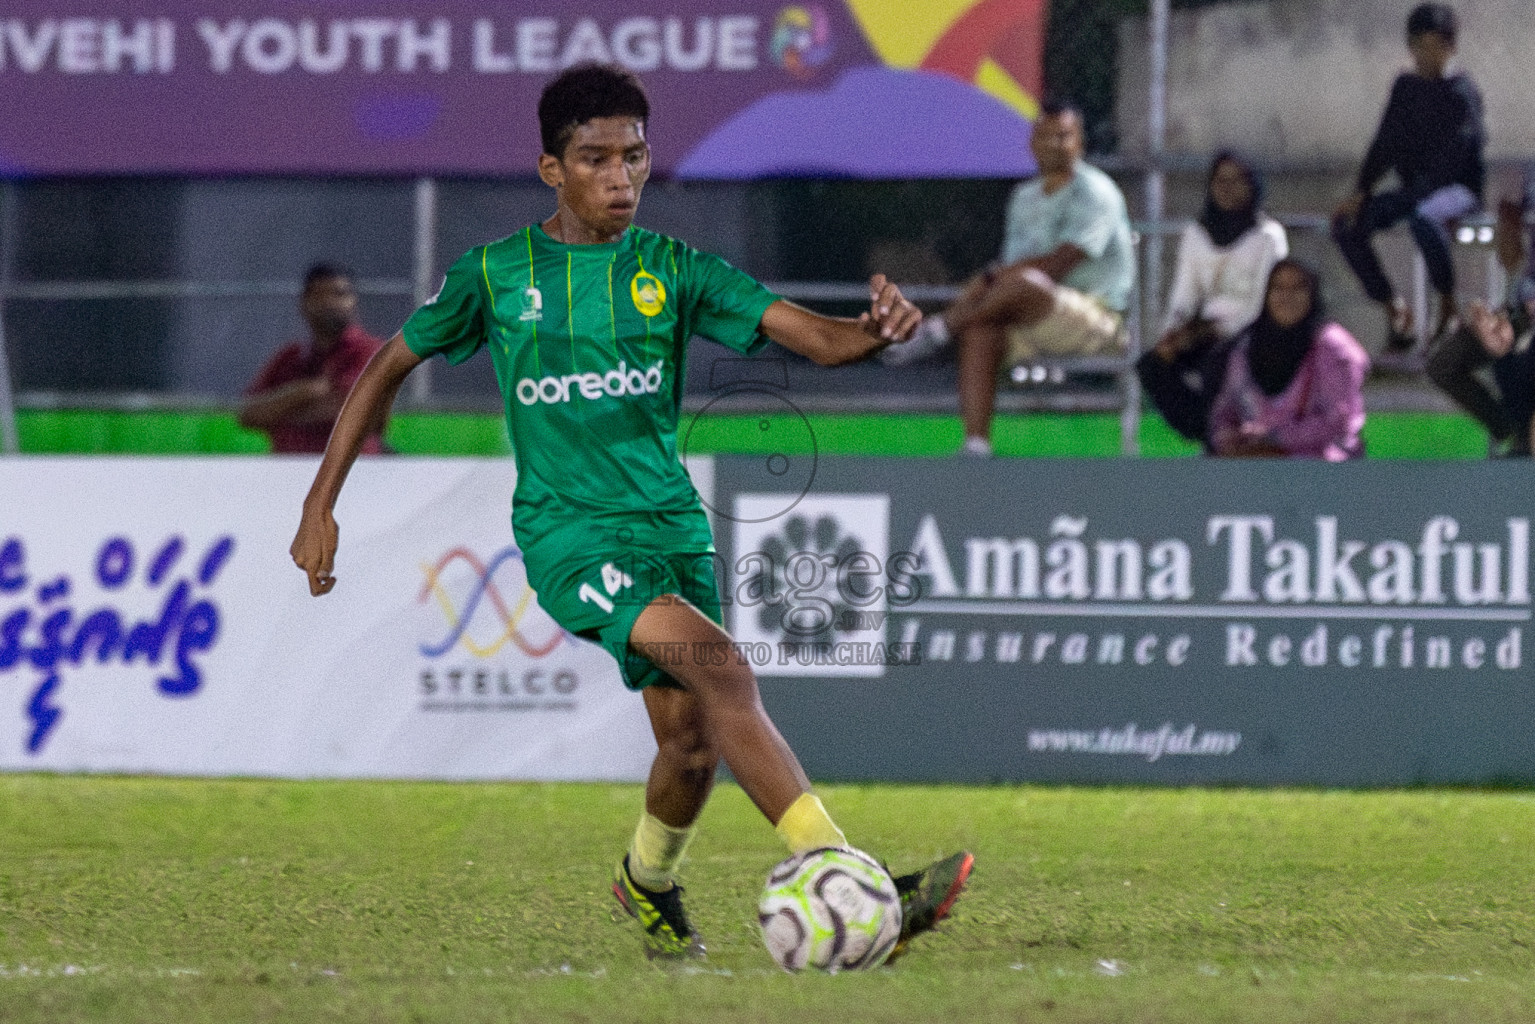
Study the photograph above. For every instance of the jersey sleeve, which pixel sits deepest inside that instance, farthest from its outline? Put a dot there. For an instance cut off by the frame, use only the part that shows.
(453, 321)
(720, 302)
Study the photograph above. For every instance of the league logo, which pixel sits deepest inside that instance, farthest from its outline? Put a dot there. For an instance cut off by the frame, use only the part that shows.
(802, 40)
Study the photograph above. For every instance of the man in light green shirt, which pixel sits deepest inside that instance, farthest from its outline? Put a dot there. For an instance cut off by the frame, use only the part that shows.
(1068, 267)
(1061, 287)
(587, 319)
(1086, 212)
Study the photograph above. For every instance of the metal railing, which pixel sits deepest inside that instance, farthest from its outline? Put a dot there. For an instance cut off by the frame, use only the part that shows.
(1143, 313)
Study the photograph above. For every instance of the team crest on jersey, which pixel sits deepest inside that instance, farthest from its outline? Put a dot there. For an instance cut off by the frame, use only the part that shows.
(532, 304)
(648, 292)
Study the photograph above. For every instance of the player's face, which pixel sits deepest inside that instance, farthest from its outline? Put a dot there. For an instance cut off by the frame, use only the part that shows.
(1230, 188)
(329, 304)
(601, 173)
(1056, 142)
(1289, 297)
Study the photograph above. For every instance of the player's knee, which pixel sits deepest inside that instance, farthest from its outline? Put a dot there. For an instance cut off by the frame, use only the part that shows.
(701, 762)
(689, 746)
(723, 684)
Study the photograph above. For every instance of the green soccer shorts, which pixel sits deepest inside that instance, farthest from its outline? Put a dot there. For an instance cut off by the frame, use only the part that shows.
(595, 580)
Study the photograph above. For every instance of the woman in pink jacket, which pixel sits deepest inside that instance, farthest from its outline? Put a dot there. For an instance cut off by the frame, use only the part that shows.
(1294, 386)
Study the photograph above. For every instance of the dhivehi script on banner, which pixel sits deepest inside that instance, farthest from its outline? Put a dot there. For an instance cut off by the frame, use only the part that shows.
(1192, 620)
(151, 620)
(739, 88)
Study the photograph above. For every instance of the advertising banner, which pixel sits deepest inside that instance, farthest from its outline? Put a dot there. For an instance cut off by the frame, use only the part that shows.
(739, 88)
(1158, 621)
(151, 620)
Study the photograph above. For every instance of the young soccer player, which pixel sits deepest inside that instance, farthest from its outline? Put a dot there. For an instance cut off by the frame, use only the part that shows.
(587, 319)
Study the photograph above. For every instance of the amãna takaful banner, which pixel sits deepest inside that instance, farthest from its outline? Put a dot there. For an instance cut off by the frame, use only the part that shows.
(739, 88)
(1150, 621)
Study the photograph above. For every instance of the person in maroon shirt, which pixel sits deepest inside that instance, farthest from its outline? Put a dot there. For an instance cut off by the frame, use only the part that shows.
(296, 397)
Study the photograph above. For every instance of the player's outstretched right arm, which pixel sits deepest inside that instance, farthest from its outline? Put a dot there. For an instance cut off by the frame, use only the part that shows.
(314, 548)
(830, 340)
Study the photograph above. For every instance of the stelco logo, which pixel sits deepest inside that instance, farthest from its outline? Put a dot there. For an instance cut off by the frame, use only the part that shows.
(617, 383)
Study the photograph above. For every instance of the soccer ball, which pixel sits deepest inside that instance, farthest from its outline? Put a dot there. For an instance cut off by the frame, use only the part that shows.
(832, 909)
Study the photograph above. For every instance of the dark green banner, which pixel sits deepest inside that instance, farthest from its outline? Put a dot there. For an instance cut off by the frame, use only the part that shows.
(1166, 621)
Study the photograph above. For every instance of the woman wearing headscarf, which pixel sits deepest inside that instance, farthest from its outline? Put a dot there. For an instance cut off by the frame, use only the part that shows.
(1294, 386)
(1224, 259)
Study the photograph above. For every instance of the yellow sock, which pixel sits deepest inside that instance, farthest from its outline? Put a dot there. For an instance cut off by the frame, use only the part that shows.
(807, 826)
(655, 852)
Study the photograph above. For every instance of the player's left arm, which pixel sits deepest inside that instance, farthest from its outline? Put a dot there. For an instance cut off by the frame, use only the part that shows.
(830, 340)
(366, 406)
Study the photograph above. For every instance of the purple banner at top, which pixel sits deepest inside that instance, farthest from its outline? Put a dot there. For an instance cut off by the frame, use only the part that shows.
(739, 88)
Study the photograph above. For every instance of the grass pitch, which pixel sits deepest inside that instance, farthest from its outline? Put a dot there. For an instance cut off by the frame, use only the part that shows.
(178, 900)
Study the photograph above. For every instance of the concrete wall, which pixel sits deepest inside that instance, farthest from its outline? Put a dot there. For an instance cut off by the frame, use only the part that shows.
(1303, 82)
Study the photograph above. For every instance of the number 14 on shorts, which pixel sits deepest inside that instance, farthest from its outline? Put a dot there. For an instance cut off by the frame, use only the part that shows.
(614, 579)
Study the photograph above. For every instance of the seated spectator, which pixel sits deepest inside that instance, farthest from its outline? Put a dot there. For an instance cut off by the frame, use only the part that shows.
(1432, 135)
(1514, 370)
(295, 398)
(1294, 385)
(1224, 259)
(1500, 339)
(1066, 271)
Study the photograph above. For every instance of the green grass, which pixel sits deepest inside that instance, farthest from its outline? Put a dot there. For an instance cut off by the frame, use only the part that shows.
(96, 432)
(1387, 435)
(184, 900)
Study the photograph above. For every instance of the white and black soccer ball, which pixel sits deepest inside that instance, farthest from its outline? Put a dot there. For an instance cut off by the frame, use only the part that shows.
(832, 910)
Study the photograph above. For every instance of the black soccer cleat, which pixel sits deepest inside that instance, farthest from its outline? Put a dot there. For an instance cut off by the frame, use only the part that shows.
(928, 895)
(668, 935)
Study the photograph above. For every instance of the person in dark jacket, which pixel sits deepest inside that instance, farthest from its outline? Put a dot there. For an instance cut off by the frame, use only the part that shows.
(1432, 135)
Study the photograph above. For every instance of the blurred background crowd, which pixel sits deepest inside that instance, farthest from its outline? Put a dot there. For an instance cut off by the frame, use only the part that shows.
(174, 291)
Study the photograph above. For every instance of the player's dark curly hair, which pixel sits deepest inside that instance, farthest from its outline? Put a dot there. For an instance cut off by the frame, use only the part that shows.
(583, 92)
(1438, 18)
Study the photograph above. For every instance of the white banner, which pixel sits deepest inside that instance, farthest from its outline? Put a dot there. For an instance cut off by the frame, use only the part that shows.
(151, 620)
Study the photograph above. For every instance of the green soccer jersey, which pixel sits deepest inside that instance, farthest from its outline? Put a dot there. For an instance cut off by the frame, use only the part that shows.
(588, 344)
